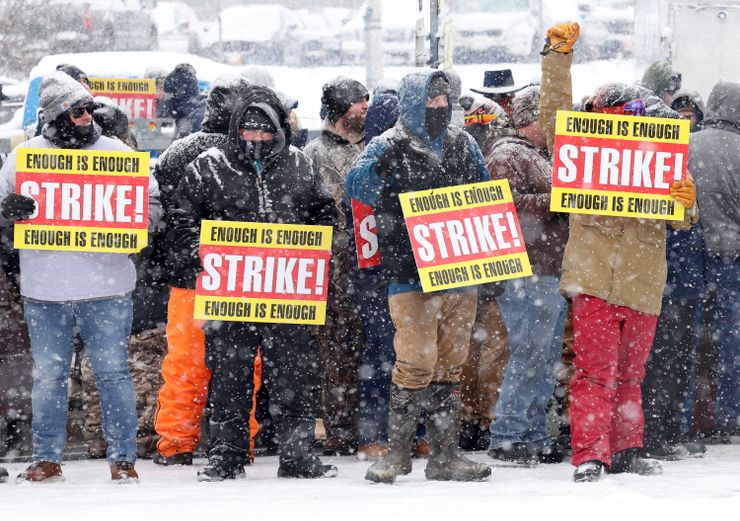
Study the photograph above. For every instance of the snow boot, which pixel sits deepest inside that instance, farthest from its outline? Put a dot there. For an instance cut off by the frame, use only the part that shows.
(443, 431)
(297, 458)
(3, 475)
(181, 458)
(632, 461)
(517, 453)
(123, 472)
(668, 452)
(403, 418)
(41, 472)
(220, 468)
(588, 471)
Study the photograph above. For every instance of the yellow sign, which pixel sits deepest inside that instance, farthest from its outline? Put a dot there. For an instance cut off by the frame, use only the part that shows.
(260, 272)
(86, 200)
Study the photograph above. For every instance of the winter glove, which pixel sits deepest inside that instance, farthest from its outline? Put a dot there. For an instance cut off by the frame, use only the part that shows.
(392, 157)
(561, 38)
(16, 207)
(684, 192)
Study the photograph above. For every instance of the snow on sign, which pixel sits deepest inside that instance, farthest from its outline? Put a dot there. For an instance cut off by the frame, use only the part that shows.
(86, 200)
(465, 235)
(136, 97)
(618, 165)
(259, 272)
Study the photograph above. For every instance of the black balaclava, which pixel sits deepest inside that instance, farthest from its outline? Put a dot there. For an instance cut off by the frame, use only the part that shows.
(255, 119)
(438, 118)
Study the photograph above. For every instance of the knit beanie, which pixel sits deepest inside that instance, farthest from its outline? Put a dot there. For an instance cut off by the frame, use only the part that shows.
(255, 118)
(339, 95)
(70, 70)
(439, 86)
(526, 107)
(657, 76)
(59, 93)
(182, 83)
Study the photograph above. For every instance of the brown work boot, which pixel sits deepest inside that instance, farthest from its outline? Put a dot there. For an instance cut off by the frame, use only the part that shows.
(41, 472)
(420, 448)
(123, 472)
(372, 451)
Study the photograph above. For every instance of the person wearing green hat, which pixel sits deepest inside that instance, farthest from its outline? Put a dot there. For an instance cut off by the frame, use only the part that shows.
(663, 80)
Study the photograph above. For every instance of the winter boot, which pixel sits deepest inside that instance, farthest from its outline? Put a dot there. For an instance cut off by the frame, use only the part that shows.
(632, 461)
(220, 468)
(181, 458)
(41, 472)
(668, 452)
(123, 472)
(517, 453)
(3, 475)
(403, 417)
(443, 430)
(588, 471)
(297, 459)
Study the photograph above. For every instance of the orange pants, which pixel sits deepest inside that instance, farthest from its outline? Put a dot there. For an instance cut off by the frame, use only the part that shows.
(185, 391)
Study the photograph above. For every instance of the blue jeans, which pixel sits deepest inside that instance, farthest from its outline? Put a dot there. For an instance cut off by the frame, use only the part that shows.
(370, 296)
(105, 326)
(723, 279)
(535, 314)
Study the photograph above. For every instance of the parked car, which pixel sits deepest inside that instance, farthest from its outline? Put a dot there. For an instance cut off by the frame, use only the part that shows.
(314, 36)
(608, 28)
(489, 31)
(253, 34)
(178, 27)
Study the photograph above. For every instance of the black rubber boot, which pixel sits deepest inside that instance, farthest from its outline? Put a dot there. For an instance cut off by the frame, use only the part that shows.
(632, 461)
(297, 458)
(588, 471)
(220, 468)
(182, 458)
(443, 432)
(403, 417)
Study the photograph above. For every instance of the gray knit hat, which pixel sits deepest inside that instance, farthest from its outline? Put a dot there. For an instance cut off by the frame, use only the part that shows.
(59, 93)
(526, 107)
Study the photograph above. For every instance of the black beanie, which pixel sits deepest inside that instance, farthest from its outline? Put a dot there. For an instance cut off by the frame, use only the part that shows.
(439, 86)
(182, 82)
(255, 118)
(70, 70)
(339, 95)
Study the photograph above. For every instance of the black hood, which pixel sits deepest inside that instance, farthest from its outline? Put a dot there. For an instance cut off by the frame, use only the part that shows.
(267, 101)
(723, 105)
(220, 105)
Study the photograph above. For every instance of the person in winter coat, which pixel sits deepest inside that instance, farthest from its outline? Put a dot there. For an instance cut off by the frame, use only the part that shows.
(714, 162)
(533, 310)
(92, 292)
(332, 154)
(690, 106)
(255, 177)
(183, 395)
(614, 271)
(73, 72)
(432, 329)
(661, 79)
(112, 121)
(668, 368)
(183, 101)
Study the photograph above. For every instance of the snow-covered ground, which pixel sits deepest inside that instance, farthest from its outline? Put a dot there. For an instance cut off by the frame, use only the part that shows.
(697, 489)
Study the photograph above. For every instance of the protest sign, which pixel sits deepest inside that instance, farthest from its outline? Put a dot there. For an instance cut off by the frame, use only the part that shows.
(259, 272)
(86, 200)
(618, 165)
(465, 235)
(136, 97)
(366, 235)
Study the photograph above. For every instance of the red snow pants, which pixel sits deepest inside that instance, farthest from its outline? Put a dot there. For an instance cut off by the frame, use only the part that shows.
(611, 345)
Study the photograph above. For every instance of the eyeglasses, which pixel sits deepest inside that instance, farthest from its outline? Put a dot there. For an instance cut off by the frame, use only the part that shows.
(674, 84)
(80, 111)
(631, 108)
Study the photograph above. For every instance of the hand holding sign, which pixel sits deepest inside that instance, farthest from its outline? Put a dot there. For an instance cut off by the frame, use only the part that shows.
(16, 207)
(684, 192)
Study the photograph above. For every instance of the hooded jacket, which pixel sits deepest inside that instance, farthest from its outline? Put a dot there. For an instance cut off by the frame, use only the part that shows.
(171, 166)
(715, 164)
(690, 98)
(620, 260)
(453, 158)
(221, 184)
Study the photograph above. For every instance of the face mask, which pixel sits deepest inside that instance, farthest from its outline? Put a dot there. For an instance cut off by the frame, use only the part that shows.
(437, 120)
(256, 150)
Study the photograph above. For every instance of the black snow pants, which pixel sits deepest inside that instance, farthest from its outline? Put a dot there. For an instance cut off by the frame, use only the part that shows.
(290, 375)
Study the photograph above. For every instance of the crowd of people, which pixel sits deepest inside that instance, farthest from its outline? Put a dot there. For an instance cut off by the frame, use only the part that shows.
(621, 350)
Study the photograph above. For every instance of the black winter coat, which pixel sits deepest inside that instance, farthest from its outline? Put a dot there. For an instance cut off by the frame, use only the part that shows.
(222, 185)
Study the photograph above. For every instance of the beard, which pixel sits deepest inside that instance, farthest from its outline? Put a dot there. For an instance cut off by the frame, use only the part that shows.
(355, 124)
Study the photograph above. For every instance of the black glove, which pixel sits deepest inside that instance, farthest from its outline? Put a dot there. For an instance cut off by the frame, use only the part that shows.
(16, 207)
(392, 157)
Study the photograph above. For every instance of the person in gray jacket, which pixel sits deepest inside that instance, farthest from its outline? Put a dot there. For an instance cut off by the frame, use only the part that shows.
(715, 164)
(68, 290)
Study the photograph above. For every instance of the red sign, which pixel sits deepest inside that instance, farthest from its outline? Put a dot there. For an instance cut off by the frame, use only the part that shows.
(366, 235)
